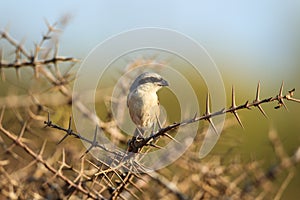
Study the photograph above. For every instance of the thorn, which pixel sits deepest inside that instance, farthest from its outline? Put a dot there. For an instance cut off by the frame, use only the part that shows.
(70, 122)
(257, 102)
(207, 113)
(1, 115)
(246, 105)
(222, 110)
(257, 92)
(62, 139)
(69, 131)
(238, 119)
(43, 147)
(284, 105)
(84, 153)
(36, 72)
(55, 53)
(156, 146)
(172, 138)
(281, 89)
(47, 22)
(207, 104)
(233, 106)
(138, 132)
(23, 130)
(262, 111)
(95, 135)
(93, 144)
(158, 122)
(48, 122)
(36, 51)
(51, 28)
(280, 97)
(195, 116)
(212, 124)
(18, 73)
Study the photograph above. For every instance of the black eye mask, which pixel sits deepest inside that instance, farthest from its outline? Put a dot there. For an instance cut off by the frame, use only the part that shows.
(150, 80)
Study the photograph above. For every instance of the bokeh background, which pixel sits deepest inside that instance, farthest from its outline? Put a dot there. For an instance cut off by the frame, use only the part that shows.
(250, 41)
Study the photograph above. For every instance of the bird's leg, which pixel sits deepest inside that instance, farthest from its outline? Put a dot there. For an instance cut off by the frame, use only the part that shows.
(154, 127)
(158, 122)
(152, 130)
(138, 133)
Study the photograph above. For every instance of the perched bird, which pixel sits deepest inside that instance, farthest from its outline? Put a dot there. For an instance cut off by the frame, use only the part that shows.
(143, 104)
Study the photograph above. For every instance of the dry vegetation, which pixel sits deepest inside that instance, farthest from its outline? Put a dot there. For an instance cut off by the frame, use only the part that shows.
(34, 166)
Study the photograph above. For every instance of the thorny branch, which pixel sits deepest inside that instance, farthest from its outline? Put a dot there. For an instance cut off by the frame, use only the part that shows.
(134, 145)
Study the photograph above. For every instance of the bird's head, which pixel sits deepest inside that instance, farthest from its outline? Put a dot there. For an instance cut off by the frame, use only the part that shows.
(148, 81)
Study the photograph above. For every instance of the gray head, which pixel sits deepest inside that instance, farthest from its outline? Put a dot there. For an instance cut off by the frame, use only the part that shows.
(148, 79)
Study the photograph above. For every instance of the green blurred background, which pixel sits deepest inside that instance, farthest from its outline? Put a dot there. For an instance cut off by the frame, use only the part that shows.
(250, 41)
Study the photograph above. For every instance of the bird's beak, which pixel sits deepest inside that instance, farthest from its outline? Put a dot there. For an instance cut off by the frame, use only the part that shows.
(163, 83)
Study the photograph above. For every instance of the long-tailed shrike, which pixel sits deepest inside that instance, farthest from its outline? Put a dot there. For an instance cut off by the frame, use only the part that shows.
(143, 104)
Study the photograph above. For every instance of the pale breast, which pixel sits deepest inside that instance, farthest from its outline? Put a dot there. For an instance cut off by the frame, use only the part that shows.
(143, 108)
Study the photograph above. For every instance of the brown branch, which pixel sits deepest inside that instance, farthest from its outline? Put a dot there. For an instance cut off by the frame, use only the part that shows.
(135, 145)
(39, 66)
(168, 185)
(38, 158)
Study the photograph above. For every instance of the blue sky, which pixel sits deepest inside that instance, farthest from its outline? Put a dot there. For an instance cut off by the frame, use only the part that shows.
(239, 35)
